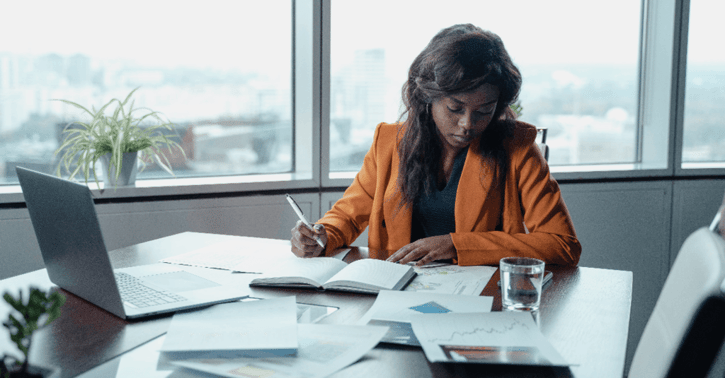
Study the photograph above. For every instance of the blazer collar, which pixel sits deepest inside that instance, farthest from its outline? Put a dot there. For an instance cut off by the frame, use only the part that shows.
(473, 191)
(472, 197)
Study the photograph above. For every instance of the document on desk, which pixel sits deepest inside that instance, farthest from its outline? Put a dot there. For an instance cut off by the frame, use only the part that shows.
(509, 338)
(395, 308)
(264, 328)
(323, 350)
(240, 254)
(452, 279)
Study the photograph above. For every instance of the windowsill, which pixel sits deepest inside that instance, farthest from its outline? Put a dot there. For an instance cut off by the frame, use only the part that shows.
(186, 186)
(704, 165)
(200, 186)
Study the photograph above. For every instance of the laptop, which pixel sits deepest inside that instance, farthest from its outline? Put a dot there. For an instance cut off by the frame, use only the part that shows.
(69, 235)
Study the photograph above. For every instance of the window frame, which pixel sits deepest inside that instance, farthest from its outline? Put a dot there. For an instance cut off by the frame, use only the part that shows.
(305, 127)
(662, 69)
(684, 168)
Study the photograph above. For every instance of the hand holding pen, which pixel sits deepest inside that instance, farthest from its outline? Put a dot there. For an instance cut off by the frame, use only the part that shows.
(307, 240)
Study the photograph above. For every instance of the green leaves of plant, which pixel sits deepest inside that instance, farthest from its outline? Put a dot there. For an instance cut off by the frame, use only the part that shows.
(117, 134)
(517, 108)
(38, 311)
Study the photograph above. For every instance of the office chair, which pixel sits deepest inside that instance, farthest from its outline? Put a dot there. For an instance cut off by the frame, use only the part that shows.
(542, 145)
(714, 226)
(687, 327)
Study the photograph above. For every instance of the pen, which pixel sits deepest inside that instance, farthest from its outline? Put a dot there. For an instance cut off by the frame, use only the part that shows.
(297, 210)
(429, 265)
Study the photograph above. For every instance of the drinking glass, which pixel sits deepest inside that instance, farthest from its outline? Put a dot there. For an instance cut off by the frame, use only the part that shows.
(521, 279)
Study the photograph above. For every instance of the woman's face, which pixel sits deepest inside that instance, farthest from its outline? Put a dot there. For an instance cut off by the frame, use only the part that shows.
(462, 117)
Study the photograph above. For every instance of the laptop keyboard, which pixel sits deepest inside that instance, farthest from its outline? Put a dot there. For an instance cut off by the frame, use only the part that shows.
(136, 293)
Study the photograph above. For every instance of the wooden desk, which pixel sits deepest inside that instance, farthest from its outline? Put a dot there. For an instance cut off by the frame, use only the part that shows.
(584, 313)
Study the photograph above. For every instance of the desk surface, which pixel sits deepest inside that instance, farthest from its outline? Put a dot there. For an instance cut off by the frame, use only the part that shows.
(584, 313)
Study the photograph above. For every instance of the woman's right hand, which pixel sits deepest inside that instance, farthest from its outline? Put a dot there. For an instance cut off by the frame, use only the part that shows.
(303, 240)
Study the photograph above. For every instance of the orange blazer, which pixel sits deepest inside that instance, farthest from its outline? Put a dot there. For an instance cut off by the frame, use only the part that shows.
(532, 219)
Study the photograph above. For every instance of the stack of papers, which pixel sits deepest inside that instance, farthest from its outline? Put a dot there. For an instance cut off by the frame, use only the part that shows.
(440, 310)
(239, 329)
(461, 328)
(261, 338)
(323, 350)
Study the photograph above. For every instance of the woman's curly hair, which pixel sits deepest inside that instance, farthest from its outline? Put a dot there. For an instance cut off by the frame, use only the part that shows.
(458, 59)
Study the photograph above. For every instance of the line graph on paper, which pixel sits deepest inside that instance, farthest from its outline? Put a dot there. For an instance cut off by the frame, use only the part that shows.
(507, 329)
(483, 338)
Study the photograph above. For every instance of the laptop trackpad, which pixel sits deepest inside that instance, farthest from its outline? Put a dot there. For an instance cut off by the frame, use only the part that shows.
(177, 282)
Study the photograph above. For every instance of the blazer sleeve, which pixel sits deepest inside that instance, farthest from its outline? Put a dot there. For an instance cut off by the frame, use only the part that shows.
(350, 215)
(536, 221)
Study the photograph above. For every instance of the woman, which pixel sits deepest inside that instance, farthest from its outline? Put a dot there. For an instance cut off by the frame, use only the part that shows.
(460, 179)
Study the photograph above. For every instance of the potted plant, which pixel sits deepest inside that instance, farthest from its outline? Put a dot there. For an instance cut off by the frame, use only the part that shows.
(517, 108)
(38, 311)
(120, 140)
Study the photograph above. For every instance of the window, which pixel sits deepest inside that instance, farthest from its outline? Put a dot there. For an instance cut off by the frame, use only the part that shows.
(580, 74)
(704, 118)
(221, 71)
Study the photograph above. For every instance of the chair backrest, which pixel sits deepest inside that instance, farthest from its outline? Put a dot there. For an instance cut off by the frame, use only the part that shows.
(542, 144)
(714, 226)
(687, 326)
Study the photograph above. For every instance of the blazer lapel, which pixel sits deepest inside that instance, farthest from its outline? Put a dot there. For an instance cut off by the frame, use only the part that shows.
(473, 194)
(399, 220)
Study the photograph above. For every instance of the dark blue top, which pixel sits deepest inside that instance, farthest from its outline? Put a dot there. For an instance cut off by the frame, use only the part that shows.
(434, 213)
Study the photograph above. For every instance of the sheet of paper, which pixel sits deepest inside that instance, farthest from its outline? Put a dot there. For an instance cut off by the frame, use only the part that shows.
(240, 254)
(307, 312)
(452, 279)
(252, 328)
(324, 349)
(395, 308)
(510, 338)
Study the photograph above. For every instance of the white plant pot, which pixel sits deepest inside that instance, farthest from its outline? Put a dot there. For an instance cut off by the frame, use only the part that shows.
(129, 168)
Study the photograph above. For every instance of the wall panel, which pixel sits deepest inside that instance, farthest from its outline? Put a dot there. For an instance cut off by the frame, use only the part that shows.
(694, 204)
(625, 226)
(127, 224)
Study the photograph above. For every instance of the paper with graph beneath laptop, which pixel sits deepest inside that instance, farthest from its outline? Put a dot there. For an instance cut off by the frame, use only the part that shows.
(395, 308)
(239, 254)
(451, 279)
(509, 338)
(263, 328)
(323, 350)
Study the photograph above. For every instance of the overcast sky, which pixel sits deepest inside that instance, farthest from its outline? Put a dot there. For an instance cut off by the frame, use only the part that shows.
(249, 32)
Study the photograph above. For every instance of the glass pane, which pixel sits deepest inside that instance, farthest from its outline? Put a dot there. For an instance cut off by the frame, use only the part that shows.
(579, 72)
(220, 71)
(704, 122)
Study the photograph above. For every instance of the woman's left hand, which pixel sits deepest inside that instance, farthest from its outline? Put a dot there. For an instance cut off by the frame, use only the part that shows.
(426, 250)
